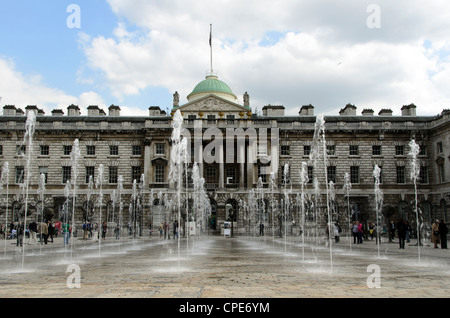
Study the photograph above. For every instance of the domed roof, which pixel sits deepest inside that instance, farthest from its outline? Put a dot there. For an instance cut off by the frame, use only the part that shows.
(212, 85)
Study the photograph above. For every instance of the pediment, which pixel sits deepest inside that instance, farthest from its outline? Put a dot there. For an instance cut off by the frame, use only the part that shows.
(212, 103)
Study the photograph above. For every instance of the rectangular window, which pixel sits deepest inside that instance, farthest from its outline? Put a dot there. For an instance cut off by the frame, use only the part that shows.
(137, 150)
(354, 150)
(423, 174)
(66, 173)
(440, 148)
(1, 150)
(20, 170)
(331, 174)
(399, 150)
(331, 150)
(262, 173)
(159, 173)
(354, 174)
(45, 150)
(210, 175)
(90, 171)
(285, 150)
(44, 171)
(306, 150)
(114, 150)
(136, 173)
(423, 150)
(113, 173)
(90, 150)
(160, 149)
(230, 119)
(211, 119)
(441, 172)
(401, 174)
(191, 118)
(376, 150)
(231, 175)
(67, 150)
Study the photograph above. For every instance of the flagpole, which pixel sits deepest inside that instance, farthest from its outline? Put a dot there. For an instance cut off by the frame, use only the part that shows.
(210, 46)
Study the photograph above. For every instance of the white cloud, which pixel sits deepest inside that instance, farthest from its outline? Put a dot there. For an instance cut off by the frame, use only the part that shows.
(21, 90)
(325, 53)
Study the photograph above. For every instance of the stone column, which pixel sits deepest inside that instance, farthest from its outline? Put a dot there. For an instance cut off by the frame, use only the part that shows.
(221, 167)
(148, 168)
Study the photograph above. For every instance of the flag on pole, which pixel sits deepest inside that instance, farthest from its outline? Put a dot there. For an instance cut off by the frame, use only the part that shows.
(210, 35)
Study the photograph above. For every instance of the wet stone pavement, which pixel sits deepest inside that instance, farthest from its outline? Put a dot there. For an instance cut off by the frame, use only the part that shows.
(222, 267)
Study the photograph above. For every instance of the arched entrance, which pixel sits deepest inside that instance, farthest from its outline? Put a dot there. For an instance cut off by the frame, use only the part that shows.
(231, 210)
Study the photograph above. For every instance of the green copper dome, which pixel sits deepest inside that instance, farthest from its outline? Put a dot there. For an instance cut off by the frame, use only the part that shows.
(212, 85)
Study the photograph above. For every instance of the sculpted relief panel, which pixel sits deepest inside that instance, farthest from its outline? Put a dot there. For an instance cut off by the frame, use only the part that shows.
(211, 105)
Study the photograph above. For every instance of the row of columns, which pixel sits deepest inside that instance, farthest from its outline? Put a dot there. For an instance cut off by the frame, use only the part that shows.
(247, 158)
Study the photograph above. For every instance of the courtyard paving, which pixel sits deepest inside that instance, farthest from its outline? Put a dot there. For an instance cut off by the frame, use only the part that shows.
(223, 267)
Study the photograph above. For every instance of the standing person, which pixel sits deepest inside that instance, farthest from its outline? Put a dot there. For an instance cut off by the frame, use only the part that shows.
(168, 231)
(104, 230)
(20, 232)
(43, 231)
(443, 230)
(392, 230)
(161, 228)
(85, 230)
(66, 234)
(355, 231)
(371, 230)
(175, 229)
(408, 231)
(117, 231)
(165, 230)
(435, 238)
(51, 230)
(401, 229)
(360, 232)
(337, 231)
(33, 232)
(261, 229)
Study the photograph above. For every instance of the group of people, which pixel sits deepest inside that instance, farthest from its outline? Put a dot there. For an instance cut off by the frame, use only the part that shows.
(36, 232)
(400, 229)
(439, 231)
(164, 228)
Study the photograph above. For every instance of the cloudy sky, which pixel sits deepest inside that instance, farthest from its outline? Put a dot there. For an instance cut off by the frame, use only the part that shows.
(137, 53)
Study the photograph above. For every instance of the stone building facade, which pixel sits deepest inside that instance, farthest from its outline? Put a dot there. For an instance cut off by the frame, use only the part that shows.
(257, 155)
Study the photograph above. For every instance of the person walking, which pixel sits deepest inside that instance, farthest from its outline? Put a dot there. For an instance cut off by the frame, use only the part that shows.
(435, 238)
(443, 231)
(401, 230)
(261, 229)
(117, 231)
(161, 229)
